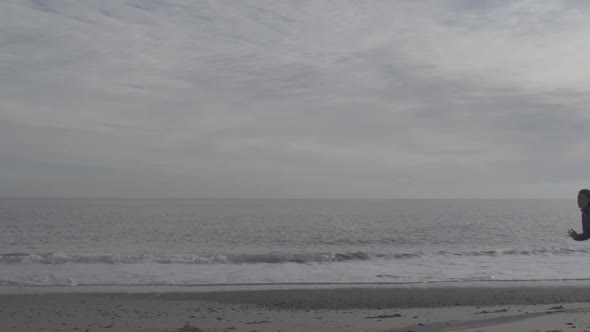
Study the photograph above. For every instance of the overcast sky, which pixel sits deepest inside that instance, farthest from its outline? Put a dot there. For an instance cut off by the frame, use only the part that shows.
(306, 99)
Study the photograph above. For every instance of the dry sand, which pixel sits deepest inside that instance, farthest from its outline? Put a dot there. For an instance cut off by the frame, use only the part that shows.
(354, 309)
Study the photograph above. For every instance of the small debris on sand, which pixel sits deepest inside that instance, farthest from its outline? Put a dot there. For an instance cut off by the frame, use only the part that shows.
(258, 322)
(491, 312)
(383, 316)
(188, 328)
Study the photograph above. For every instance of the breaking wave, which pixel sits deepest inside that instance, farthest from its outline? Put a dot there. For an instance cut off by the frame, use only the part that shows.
(276, 258)
(57, 258)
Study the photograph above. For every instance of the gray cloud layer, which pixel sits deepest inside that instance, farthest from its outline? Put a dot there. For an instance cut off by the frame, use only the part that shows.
(150, 98)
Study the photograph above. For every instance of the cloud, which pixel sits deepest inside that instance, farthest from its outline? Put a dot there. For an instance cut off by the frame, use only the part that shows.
(293, 99)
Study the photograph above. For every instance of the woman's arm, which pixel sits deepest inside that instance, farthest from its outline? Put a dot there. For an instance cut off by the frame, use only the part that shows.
(578, 237)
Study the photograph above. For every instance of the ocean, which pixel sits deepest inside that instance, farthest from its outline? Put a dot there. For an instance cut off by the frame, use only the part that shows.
(134, 242)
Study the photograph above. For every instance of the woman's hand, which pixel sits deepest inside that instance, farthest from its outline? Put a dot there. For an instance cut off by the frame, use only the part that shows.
(573, 234)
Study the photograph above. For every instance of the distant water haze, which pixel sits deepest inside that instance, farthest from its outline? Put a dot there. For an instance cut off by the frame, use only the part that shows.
(217, 241)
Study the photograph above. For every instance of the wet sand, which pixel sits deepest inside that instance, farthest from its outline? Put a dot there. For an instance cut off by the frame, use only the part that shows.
(353, 309)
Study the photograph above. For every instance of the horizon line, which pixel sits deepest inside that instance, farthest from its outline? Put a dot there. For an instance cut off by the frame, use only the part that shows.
(280, 198)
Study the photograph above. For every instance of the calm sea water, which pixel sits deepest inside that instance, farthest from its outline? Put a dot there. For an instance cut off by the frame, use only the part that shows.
(148, 242)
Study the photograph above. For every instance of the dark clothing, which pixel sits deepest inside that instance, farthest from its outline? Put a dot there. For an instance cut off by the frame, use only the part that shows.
(585, 225)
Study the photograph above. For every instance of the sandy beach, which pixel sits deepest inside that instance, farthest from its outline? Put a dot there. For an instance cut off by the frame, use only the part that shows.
(352, 309)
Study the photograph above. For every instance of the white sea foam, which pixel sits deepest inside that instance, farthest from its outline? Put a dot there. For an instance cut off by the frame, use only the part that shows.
(426, 269)
(272, 258)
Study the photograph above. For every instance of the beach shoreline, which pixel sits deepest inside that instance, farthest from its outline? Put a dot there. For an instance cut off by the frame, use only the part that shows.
(516, 308)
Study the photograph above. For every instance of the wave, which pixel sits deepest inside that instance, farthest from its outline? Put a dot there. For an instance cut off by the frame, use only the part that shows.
(59, 258)
(273, 258)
